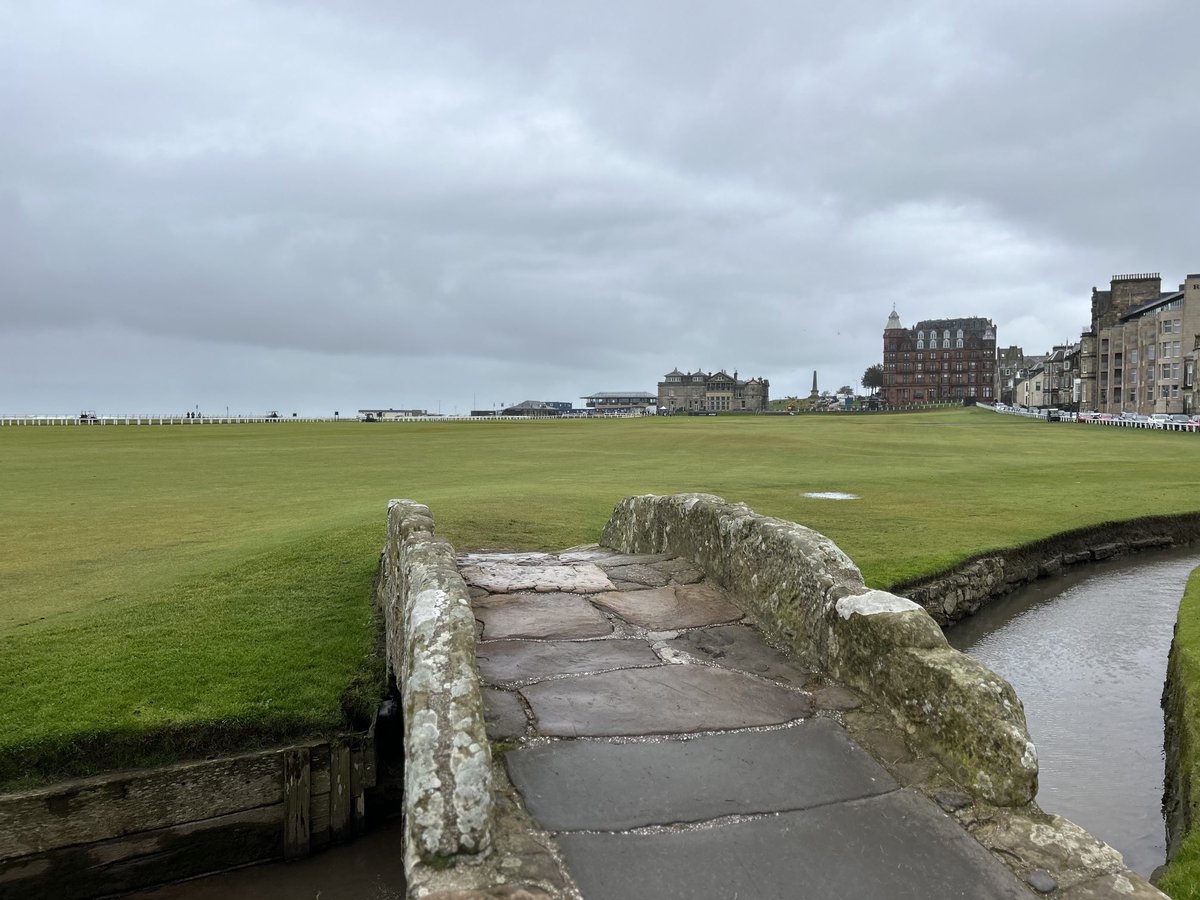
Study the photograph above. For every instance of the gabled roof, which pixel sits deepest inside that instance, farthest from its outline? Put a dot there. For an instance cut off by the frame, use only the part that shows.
(620, 395)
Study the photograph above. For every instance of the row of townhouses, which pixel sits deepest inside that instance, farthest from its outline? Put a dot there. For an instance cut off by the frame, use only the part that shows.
(1138, 354)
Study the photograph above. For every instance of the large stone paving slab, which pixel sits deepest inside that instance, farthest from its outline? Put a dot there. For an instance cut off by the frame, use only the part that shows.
(603, 786)
(739, 647)
(671, 699)
(503, 714)
(672, 607)
(509, 578)
(897, 846)
(509, 662)
(533, 615)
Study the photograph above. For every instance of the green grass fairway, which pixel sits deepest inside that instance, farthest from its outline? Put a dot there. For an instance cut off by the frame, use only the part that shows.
(174, 590)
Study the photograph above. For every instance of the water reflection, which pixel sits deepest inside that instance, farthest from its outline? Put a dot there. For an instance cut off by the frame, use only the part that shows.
(370, 868)
(1087, 654)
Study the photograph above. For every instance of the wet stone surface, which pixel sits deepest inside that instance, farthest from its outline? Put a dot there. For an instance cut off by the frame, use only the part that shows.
(663, 700)
(638, 698)
(554, 614)
(738, 647)
(569, 785)
(672, 606)
(509, 662)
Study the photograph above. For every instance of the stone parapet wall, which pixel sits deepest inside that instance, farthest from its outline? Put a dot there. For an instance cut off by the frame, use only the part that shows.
(807, 594)
(963, 590)
(431, 655)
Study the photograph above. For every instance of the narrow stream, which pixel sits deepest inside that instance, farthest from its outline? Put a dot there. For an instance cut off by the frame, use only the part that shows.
(1087, 654)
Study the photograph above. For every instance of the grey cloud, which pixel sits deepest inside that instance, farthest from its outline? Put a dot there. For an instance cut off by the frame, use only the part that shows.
(430, 199)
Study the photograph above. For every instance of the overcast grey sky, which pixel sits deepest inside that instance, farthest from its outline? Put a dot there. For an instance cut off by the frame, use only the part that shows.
(313, 206)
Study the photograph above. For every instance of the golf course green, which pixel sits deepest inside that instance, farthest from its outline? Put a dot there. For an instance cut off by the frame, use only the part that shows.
(168, 591)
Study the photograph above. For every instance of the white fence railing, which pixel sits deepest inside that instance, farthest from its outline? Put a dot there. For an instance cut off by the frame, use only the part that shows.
(1097, 419)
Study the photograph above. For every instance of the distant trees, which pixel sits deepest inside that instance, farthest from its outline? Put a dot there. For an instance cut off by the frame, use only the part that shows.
(873, 377)
(845, 389)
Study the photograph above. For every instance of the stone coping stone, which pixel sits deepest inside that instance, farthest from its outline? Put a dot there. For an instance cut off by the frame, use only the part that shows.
(674, 699)
(739, 647)
(897, 846)
(510, 578)
(512, 662)
(546, 615)
(604, 786)
(672, 607)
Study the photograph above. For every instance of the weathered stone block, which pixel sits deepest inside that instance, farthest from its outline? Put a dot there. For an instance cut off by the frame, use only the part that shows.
(808, 594)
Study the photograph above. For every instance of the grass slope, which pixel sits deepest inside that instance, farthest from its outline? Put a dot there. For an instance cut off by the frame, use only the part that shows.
(167, 590)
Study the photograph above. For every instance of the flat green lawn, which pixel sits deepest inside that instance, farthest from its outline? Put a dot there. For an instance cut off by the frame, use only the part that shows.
(173, 590)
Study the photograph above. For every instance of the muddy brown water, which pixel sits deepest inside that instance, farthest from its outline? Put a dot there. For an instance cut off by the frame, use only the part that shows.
(1087, 654)
(370, 868)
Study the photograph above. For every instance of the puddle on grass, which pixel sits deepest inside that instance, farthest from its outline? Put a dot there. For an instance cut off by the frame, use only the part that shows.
(831, 495)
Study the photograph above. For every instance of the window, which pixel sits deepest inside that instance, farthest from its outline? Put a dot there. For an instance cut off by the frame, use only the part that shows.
(920, 335)
(920, 344)
(1166, 392)
(959, 343)
(1150, 352)
(1165, 370)
(1133, 357)
(946, 343)
(1175, 351)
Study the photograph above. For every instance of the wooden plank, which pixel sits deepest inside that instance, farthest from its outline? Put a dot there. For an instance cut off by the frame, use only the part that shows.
(319, 814)
(297, 803)
(370, 765)
(339, 791)
(319, 761)
(110, 806)
(149, 858)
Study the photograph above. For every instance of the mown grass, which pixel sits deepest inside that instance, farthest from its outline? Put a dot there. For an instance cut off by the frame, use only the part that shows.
(176, 590)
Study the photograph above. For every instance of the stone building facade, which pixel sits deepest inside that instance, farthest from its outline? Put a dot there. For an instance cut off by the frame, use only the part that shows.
(1050, 382)
(939, 361)
(711, 392)
(1134, 354)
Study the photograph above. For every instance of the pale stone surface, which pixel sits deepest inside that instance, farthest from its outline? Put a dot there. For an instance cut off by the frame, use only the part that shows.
(646, 576)
(1121, 886)
(739, 647)
(510, 662)
(1051, 843)
(675, 606)
(539, 615)
(431, 647)
(507, 578)
(662, 700)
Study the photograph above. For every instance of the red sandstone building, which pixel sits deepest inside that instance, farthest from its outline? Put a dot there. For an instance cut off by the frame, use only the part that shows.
(939, 361)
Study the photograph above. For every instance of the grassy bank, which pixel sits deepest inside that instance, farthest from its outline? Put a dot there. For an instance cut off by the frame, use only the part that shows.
(180, 588)
(1182, 703)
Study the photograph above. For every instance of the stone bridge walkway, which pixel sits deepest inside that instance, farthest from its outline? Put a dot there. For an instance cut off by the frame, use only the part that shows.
(672, 753)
